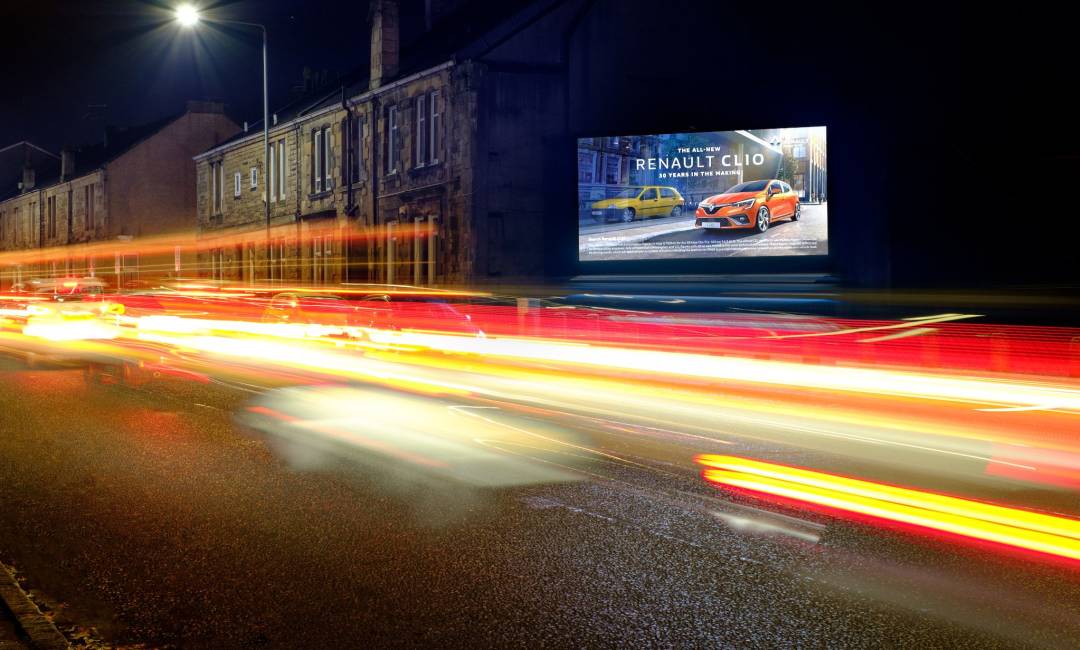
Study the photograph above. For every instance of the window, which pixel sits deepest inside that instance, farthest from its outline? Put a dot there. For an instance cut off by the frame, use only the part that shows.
(249, 269)
(320, 168)
(277, 259)
(586, 166)
(212, 181)
(421, 131)
(667, 193)
(52, 216)
(277, 171)
(221, 185)
(799, 151)
(270, 174)
(611, 167)
(354, 137)
(217, 263)
(281, 169)
(217, 186)
(428, 123)
(254, 177)
(15, 226)
(88, 194)
(434, 128)
(321, 252)
(392, 142)
(649, 194)
(237, 182)
(70, 213)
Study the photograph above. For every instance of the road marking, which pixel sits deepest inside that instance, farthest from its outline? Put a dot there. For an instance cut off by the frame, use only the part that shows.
(918, 331)
(909, 322)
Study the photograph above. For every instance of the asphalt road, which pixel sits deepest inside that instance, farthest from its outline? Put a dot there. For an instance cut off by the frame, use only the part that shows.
(153, 516)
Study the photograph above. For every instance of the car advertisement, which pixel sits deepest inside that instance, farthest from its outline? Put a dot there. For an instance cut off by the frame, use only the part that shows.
(757, 193)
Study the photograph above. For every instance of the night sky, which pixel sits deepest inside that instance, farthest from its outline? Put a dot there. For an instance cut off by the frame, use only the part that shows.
(63, 60)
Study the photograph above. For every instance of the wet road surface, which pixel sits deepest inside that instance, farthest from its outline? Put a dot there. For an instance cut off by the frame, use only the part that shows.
(152, 515)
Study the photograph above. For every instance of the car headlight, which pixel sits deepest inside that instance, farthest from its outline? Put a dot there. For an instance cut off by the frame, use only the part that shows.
(742, 205)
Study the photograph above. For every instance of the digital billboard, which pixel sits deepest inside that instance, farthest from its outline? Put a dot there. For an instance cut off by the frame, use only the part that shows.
(706, 195)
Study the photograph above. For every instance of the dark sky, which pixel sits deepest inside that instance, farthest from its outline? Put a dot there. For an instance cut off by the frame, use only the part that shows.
(60, 57)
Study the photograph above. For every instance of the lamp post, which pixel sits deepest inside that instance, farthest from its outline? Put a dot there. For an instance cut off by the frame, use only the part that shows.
(188, 16)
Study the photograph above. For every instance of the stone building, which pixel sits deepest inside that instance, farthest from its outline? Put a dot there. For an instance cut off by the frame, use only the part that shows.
(108, 209)
(427, 167)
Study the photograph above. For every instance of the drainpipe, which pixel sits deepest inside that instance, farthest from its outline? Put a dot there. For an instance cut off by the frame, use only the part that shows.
(299, 152)
(299, 186)
(374, 120)
(348, 137)
(41, 219)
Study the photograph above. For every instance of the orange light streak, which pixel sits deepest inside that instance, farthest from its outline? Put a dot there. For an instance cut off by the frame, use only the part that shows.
(1033, 531)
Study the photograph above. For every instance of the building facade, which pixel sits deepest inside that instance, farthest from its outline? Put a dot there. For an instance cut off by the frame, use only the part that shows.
(120, 209)
(427, 172)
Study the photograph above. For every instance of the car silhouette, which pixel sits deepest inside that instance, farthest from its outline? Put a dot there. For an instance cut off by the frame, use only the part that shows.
(638, 203)
(751, 205)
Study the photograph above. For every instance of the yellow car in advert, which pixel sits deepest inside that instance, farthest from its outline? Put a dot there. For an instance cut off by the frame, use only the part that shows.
(639, 203)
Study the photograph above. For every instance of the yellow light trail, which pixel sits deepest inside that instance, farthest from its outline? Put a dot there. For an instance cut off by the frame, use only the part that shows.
(976, 390)
(757, 371)
(1034, 531)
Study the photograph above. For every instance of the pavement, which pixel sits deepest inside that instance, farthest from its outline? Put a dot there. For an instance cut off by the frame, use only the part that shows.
(10, 639)
(149, 515)
(22, 623)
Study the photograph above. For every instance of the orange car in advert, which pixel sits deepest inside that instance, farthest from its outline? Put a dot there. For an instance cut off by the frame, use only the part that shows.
(753, 204)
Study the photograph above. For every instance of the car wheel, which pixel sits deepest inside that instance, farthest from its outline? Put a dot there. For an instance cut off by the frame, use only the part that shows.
(676, 211)
(762, 223)
(628, 215)
(798, 212)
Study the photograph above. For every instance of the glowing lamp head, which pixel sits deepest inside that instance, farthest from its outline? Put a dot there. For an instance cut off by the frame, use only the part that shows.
(187, 15)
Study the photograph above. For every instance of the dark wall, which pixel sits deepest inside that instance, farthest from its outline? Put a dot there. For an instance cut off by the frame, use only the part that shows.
(953, 147)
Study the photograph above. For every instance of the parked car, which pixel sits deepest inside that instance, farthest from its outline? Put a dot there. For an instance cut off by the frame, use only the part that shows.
(751, 205)
(639, 203)
(63, 289)
(316, 308)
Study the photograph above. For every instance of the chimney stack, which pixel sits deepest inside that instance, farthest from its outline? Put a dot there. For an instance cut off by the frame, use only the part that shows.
(67, 164)
(27, 183)
(384, 41)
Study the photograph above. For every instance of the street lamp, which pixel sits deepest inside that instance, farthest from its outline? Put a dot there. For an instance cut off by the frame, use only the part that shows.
(188, 16)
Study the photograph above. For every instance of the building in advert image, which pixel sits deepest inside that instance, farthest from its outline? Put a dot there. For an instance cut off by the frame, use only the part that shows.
(703, 195)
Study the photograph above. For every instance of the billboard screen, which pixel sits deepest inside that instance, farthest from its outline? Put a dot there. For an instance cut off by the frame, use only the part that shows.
(720, 194)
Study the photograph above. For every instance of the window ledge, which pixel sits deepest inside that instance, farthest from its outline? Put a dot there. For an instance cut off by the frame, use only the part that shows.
(415, 171)
(320, 195)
